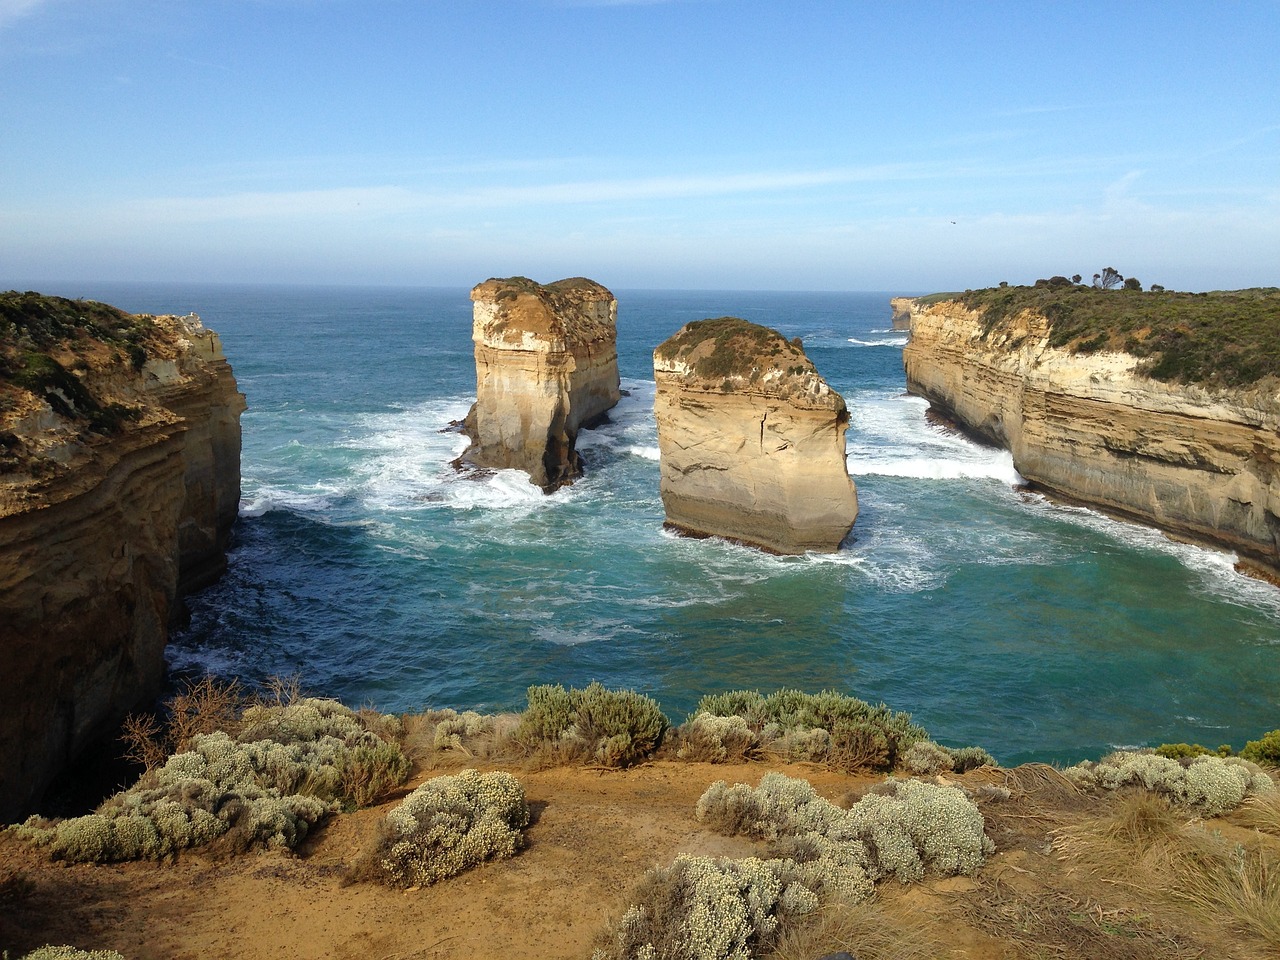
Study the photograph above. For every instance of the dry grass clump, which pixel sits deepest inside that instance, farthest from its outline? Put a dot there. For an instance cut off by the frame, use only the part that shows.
(1147, 845)
(828, 727)
(286, 766)
(612, 728)
(1209, 784)
(864, 931)
(448, 825)
(438, 738)
(48, 952)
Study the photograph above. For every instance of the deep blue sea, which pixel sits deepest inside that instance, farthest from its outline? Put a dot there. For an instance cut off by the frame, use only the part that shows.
(363, 563)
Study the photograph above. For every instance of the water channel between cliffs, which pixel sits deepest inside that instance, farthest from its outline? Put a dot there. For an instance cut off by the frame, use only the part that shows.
(363, 563)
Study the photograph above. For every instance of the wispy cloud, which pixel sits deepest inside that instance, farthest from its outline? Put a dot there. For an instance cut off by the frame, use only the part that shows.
(11, 10)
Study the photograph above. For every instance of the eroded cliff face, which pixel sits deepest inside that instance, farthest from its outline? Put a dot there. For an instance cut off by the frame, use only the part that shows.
(546, 367)
(1198, 462)
(117, 494)
(751, 440)
(901, 307)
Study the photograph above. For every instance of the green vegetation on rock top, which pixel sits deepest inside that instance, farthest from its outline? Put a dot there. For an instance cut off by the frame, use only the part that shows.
(1228, 338)
(737, 348)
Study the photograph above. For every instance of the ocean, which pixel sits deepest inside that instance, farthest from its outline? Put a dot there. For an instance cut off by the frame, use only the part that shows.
(363, 563)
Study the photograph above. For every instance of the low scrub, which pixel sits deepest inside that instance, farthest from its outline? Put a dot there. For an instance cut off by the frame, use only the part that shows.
(448, 825)
(903, 828)
(824, 859)
(612, 728)
(828, 727)
(69, 953)
(1208, 784)
(287, 766)
(926, 758)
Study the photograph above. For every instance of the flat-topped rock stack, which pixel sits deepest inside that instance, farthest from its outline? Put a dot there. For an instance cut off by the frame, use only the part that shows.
(751, 440)
(546, 367)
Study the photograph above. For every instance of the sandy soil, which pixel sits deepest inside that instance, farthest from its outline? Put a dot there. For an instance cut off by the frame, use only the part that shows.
(593, 835)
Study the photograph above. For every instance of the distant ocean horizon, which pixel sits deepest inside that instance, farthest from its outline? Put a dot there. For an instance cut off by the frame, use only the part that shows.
(362, 562)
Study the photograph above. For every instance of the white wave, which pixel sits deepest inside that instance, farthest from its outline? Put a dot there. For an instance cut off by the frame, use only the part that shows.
(889, 436)
(884, 342)
(264, 498)
(646, 452)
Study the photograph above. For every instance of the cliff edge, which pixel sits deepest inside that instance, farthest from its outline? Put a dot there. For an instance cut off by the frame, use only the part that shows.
(751, 439)
(546, 367)
(119, 483)
(1159, 407)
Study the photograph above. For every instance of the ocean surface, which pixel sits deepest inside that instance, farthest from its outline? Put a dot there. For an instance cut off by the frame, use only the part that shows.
(362, 562)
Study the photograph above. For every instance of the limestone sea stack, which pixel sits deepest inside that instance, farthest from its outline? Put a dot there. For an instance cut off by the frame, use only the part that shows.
(901, 307)
(119, 483)
(751, 440)
(546, 367)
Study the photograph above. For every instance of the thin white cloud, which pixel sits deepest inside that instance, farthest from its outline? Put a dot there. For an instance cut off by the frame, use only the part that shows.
(11, 10)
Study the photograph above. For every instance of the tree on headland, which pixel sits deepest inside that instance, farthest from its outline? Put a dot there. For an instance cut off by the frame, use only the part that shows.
(1108, 279)
(1132, 283)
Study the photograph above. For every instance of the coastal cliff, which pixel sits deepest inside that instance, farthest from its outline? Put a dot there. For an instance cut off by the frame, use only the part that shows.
(546, 367)
(901, 307)
(119, 483)
(1152, 406)
(751, 440)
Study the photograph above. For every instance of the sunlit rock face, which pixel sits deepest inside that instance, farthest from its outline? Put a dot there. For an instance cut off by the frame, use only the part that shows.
(1202, 463)
(752, 440)
(546, 367)
(118, 490)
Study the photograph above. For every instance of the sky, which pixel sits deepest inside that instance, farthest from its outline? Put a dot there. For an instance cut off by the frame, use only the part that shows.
(671, 144)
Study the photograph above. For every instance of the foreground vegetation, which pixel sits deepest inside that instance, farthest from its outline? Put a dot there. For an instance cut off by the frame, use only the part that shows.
(230, 772)
(1225, 338)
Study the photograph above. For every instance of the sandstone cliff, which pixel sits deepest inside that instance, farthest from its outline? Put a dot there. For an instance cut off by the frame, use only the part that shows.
(901, 307)
(546, 367)
(1090, 424)
(751, 440)
(119, 483)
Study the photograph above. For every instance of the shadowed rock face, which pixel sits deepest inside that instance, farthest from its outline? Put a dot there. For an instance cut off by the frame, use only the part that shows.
(901, 307)
(1199, 462)
(103, 527)
(546, 367)
(751, 440)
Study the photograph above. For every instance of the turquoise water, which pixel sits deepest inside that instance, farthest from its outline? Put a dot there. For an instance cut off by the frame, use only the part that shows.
(362, 562)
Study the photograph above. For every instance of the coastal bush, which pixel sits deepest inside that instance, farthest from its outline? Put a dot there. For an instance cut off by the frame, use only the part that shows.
(1265, 750)
(830, 727)
(904, 828)
(450, 824)
(1208, 784)
(613, 728)
(49, 952)
(702, 908)
(713, 739)
(288, 766)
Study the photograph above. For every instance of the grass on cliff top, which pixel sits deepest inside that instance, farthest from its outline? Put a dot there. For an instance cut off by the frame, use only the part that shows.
(1228, 338)
(738, 348)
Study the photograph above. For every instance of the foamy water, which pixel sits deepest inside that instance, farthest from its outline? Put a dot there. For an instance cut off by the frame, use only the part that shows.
(366, 562)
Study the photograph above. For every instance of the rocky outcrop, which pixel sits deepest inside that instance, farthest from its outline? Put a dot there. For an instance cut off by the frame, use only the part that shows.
(901, 307)
(1199, 462)
(751, 440)
(546, 367)
(118, 489)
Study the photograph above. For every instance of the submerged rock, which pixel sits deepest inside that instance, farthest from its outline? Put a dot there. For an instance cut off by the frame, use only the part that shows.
(751, 439)
(546, 367)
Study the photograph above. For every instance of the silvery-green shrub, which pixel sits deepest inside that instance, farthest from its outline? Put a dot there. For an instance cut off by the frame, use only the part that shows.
(450, 824)
(1208, 784)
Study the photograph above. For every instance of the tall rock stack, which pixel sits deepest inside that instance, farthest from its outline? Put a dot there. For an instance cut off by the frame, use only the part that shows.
(546, 367)
(119, 482)
(751, 440)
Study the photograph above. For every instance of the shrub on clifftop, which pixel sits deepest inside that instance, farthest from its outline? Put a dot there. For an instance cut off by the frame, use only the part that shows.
(614, 728)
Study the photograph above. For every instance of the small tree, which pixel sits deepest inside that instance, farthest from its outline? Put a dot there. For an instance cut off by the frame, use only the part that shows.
(1132, 283)
(1108, 279)
(1075, 278)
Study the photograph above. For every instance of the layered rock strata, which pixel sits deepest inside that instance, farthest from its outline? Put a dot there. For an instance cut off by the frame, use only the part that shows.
(546, 367)
(901, 307)
(1199, 462)
(119, 484)
(751, 440)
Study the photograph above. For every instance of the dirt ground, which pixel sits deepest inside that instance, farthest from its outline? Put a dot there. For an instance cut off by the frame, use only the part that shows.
(594, 833)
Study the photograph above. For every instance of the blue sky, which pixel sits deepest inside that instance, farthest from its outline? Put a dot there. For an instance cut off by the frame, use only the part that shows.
(695, 144)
